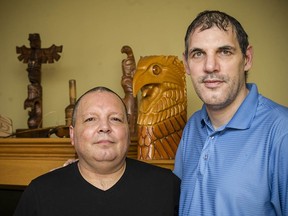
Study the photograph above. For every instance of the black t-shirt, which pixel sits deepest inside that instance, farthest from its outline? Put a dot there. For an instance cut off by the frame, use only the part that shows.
(143, 189)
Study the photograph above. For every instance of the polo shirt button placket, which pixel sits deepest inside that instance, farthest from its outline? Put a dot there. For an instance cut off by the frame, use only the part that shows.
(203, 163)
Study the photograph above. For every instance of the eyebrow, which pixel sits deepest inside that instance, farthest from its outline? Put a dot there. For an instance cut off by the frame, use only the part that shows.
(225, 47)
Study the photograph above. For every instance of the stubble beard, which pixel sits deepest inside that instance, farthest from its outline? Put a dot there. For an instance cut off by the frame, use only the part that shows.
(218, 98)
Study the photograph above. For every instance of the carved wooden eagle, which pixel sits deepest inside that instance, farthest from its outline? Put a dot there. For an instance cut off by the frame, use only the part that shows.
(163, 106)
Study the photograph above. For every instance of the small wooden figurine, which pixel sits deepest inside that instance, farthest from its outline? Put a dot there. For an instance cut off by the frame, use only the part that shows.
(5, 126)
(72, 97)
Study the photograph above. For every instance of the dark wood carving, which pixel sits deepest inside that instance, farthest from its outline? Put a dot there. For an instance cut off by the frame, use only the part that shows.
(34, 57)
(163, 106)
(34, 101)
(128, 69)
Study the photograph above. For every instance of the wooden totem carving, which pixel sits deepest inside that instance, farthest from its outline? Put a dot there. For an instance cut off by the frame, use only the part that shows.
(34, 57)
(163, 106)
(128, 69)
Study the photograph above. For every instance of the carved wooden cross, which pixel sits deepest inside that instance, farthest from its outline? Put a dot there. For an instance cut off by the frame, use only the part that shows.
(34, 57)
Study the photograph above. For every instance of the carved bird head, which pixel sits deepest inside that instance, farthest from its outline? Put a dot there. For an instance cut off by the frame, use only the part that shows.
(163, 105)
(162, 83)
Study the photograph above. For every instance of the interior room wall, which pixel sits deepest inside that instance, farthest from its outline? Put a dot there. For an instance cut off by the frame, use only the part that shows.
(92, 33)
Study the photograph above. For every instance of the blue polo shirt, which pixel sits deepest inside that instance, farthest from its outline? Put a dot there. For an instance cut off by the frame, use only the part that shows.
(240, 168)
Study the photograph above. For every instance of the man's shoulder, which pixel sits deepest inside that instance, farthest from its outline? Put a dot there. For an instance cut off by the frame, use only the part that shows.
(143, 168)
(271, 108)
(56, 175)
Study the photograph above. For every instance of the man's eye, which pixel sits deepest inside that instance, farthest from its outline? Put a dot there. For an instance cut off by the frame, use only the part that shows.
(226, 52)
(197, 54)
(116, 119)
(89, 119)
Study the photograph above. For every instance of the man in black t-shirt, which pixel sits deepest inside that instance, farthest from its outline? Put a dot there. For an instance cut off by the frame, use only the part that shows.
(103, 181)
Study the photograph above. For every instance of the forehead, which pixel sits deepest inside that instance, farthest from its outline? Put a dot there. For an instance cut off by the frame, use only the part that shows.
(213, 35)
(102, 99)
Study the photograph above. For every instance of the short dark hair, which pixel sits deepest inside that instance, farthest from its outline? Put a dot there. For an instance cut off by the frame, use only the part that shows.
(95, 89)
(207, 19)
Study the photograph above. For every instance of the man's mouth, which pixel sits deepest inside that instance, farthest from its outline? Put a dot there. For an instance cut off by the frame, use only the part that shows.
(104, 141)
(214, 83)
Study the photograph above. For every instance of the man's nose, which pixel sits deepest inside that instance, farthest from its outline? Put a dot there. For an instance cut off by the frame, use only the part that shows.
(211, 64)
(104, 126)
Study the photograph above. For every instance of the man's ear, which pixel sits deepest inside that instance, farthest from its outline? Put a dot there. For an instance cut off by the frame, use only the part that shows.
(71, 133)
(248, 58)
(185, 64)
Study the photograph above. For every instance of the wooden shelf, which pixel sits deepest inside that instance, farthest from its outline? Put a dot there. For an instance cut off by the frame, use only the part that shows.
(23, 159)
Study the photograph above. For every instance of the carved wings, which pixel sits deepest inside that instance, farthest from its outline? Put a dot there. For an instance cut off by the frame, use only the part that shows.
(43, 55)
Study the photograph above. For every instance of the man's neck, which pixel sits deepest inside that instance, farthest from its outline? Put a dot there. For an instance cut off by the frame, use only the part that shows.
(102, 181)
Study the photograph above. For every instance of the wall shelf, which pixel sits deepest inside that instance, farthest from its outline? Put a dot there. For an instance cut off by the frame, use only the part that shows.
(23, 159)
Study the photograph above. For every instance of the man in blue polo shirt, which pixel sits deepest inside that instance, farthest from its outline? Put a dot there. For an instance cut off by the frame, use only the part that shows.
(233, 156)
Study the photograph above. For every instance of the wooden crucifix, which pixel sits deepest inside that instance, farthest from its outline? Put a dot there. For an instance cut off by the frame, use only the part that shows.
(34, 57)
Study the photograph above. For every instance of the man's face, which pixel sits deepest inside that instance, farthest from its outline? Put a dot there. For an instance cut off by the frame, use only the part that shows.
(101, 131)
(217, 67)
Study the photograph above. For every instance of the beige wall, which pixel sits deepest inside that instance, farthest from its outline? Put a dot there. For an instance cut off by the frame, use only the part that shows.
(92, 33)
